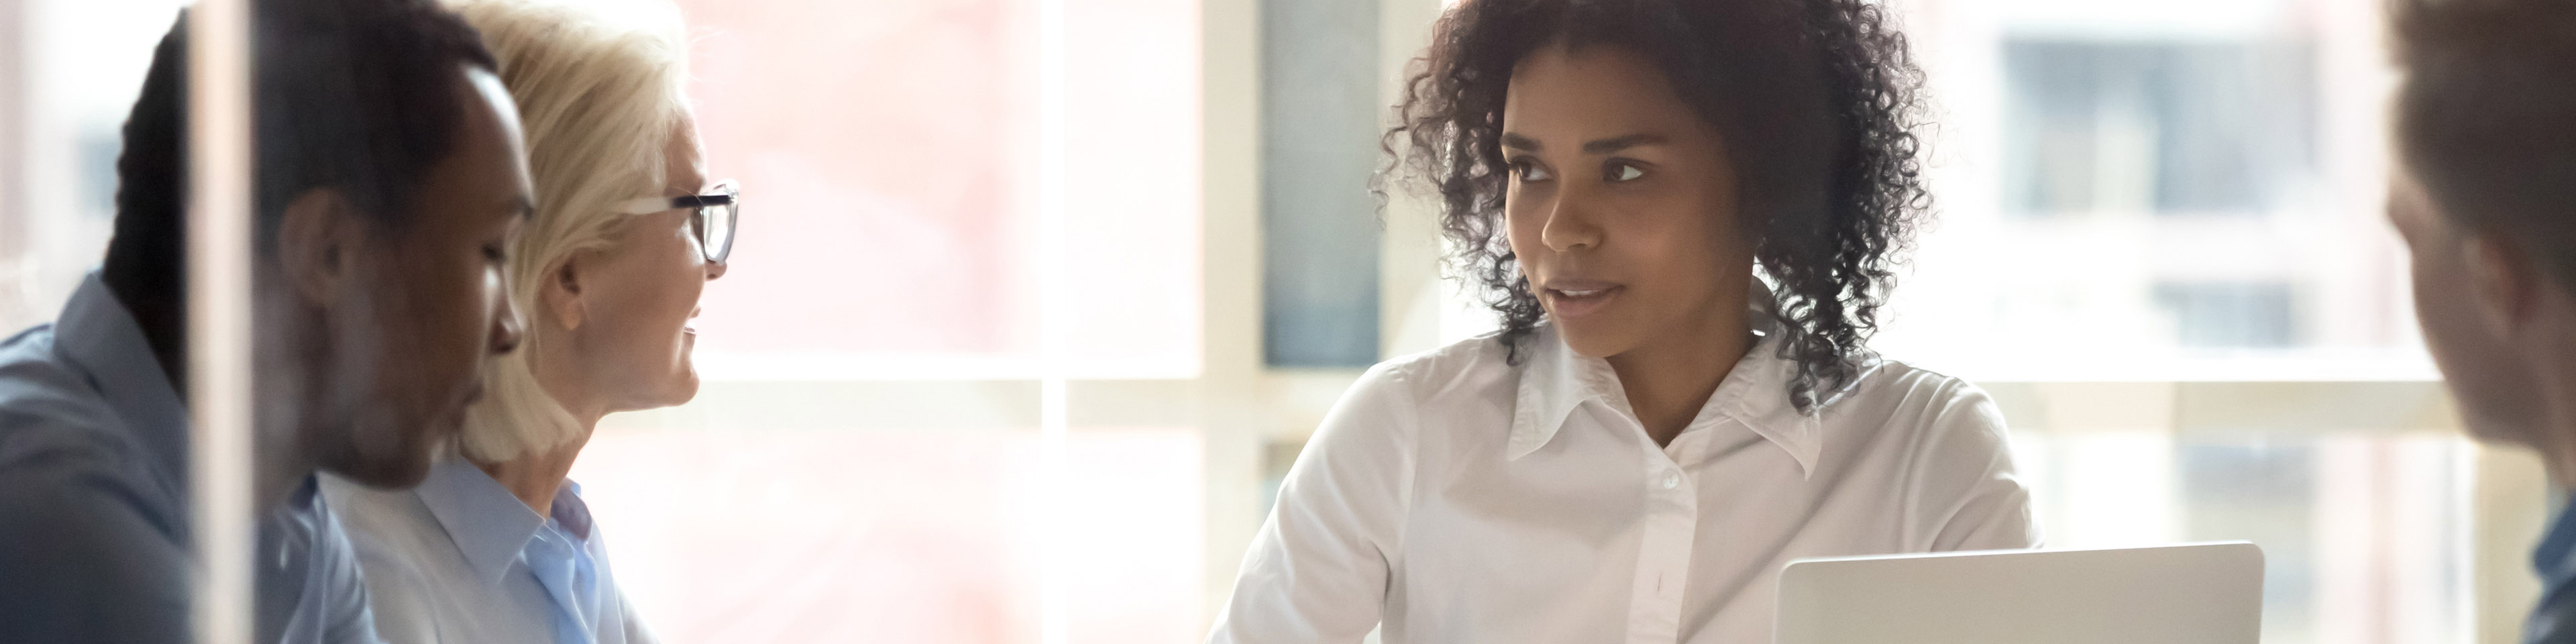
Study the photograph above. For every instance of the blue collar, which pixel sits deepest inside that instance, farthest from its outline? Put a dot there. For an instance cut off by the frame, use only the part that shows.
(489, 525)
(101, 340)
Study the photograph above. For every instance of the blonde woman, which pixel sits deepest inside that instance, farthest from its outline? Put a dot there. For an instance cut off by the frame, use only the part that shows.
(497, 545)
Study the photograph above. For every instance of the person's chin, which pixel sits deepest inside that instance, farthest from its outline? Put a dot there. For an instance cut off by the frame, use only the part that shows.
(2487, 428)
(1593, 340)
(684, 386)
(676, 389)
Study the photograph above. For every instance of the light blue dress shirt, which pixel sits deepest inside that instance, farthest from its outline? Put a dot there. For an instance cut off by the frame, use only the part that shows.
(559, 555)
(94, 526)
(461, 559)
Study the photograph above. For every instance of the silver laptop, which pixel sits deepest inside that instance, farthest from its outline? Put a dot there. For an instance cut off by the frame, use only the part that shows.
(2187, 594)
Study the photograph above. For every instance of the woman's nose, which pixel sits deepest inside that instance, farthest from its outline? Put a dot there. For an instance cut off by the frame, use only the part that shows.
(1569, 226)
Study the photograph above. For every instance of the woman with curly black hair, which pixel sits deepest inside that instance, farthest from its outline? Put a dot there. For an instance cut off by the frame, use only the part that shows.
(1655, 431)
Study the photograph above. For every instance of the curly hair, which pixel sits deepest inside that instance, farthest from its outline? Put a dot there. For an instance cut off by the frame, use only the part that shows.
(1821, 91)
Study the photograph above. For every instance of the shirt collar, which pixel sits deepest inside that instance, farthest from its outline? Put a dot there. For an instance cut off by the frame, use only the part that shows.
(569, 511)
(489, 525)
(1556, 380)
(97, 334)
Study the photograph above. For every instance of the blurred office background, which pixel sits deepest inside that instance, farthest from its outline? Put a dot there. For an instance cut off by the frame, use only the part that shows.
(1036, 300)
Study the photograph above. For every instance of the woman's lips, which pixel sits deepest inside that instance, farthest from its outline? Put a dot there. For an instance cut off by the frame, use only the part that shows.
(1574, 299)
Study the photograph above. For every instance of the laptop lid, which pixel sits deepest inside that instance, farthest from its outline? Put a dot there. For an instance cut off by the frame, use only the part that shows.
(2184, 594)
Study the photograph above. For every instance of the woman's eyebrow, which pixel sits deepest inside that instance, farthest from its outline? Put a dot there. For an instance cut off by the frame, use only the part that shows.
(1614, 144)
(1600, 146)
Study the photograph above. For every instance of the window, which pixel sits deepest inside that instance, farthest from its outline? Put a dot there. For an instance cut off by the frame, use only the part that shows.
(2168, 128)
(2175, 191)
(2223, 314)
(1320, 109)
(865, 460)
(66, 82)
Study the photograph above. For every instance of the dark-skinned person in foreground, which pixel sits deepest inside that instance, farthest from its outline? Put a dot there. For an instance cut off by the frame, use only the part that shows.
(391, 181)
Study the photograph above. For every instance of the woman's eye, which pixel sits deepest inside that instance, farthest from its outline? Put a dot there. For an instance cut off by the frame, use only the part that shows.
(1530, 171)
(1618, 172)
(494, 253)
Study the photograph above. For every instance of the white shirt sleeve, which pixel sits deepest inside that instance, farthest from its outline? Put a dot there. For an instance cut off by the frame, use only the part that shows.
(1971, 498)
(1318, 570)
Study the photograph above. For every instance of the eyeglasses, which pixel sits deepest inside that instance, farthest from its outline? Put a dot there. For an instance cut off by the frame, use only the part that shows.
(711, 216)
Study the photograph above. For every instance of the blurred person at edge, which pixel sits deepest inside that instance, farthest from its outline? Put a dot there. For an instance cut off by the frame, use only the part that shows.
(1654, 432)
(390, 183)
(2485, 196)
(497, 545)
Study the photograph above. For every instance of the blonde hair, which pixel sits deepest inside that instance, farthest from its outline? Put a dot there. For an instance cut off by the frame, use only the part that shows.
(600, 97)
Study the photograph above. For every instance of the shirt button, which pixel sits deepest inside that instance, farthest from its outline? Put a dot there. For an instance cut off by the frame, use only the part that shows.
(1672, 480)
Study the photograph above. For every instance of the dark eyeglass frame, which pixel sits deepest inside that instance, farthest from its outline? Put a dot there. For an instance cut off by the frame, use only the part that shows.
(721, 204)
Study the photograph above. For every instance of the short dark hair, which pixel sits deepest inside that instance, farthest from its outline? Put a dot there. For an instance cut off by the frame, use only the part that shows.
(1815, 99)
(360, 95)
(2487, 118)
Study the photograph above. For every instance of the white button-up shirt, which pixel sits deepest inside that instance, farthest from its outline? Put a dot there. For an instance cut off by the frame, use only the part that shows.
(1452, 497)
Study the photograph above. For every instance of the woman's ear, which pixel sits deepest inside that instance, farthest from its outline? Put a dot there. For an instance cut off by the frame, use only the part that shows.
(317, 238)
(2503, 284)
(559, 296)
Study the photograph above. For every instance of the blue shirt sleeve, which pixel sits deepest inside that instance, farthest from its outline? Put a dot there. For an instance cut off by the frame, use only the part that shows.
(85, 561)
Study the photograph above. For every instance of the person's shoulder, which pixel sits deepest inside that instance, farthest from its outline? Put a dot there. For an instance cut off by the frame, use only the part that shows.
(1480, 361)
(34, 340)
(63, 454)
(1886, 390)
(1881, 376)
(29, 364)
(48, 411)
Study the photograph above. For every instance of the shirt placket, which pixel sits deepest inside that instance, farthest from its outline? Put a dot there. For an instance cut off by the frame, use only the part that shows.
(1663, 558)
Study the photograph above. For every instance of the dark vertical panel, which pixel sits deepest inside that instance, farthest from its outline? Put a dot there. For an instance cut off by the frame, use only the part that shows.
(1319, 225)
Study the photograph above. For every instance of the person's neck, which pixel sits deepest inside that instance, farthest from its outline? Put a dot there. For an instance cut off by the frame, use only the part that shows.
(2555, 439)
(280, 457)
(1669, 379)
(2548, 346)
(162, 314)
(281, 466)
(535, 477)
